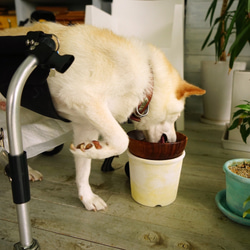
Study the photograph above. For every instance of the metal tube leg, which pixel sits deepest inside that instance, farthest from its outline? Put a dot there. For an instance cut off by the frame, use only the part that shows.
(24, 224)
(13, 101)
(17, 158)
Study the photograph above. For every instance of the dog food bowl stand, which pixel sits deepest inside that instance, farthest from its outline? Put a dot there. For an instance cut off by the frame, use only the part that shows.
(41, 49)
(154, 182)
(155, 169)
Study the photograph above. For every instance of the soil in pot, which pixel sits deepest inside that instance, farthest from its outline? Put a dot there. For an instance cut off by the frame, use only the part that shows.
(241, 169)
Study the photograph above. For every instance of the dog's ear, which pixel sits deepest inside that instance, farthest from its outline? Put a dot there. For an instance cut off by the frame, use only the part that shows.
(186, 89)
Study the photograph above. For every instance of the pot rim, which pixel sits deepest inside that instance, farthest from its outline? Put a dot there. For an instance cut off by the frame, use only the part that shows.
(221, 62)
(157, 162)
(154, 143)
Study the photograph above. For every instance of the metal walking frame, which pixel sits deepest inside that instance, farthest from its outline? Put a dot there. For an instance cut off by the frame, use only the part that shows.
(41, 51)
(16, 152)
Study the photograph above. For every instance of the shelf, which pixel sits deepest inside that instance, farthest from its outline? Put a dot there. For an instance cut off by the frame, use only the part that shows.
(7, 3)
(24, 8)
(59, 2)
(56, 2)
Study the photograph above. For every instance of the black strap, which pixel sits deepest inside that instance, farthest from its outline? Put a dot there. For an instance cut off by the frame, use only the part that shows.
(43, 47)
(13, 45)
(36, 95)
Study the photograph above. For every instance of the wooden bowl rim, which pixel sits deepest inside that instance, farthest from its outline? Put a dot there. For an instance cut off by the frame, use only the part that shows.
(179, 135)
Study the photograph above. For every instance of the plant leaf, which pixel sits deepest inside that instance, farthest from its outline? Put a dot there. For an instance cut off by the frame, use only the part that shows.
(243, 132)
(210, 11)
(229, 5)
(235, 124)
(246, 213)
(230, 30)
(238, 112)
(239, 44)
(244, 107)
(217, 20)
(207, 39)
(240, 14)
(246, 201)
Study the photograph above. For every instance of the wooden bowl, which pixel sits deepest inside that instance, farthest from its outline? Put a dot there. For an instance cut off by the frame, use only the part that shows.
(139, 147)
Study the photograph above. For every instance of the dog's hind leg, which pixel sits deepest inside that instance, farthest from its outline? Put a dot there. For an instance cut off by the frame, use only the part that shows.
(34, 175)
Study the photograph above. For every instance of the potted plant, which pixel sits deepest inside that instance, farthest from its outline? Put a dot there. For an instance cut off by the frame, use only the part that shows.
(216, 77)
(241, 79)
(234, 201)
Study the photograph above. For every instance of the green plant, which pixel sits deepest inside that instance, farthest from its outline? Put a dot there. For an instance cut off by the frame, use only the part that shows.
(241, 23)
(230, 22)
(248, 210)
(241, 119)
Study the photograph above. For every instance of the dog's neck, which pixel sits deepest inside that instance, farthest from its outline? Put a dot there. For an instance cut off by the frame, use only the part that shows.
(143, 108)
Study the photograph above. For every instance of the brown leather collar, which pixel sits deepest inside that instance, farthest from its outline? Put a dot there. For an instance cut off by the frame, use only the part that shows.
(143, 108)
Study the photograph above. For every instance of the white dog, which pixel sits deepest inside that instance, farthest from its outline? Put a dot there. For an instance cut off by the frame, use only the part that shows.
(110, 77)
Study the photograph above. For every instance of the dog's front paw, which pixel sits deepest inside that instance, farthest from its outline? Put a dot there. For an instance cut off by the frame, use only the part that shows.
(34, 175)
(94, 202)
(92, 149)
(83, 147)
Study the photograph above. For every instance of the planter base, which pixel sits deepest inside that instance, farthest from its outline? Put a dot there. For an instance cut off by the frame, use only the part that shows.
(154, 182)
(233, 144)
(220, 200)
(213, 122)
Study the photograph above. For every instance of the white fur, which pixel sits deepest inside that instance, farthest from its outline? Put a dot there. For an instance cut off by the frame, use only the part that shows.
(107, 80)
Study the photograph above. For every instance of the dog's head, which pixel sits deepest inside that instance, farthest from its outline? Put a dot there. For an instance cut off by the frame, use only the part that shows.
(164, 112)
(167, 103)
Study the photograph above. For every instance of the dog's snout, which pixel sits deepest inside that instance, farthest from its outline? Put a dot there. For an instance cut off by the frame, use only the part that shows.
(171, 137)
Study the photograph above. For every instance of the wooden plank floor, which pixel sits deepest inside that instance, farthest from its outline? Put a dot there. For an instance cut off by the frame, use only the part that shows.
(193, 221)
